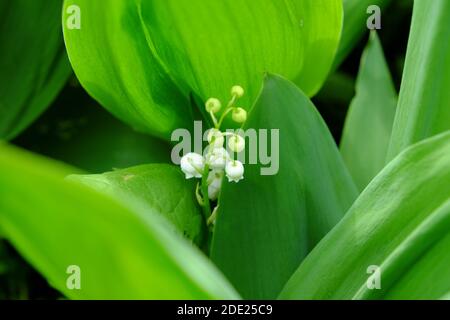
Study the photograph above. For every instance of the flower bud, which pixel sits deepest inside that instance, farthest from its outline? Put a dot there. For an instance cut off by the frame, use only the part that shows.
(214, 184)
(234, 171)
(213, 105)
(192, 165)
(215, 138)
(237, 91)
(236, 143)
(217, 158)
(239, 115)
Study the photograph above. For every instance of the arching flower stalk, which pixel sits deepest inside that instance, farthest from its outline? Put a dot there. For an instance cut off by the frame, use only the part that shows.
(217, 161)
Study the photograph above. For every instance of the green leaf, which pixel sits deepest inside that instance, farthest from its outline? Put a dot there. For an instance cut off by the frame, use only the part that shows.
(33, 62)
(424, 102)
(123, 252)
(401, 223)
(115, 65)
(355, 25)
(267, 224)
(368, 126)
(161, 188)
(209, 46)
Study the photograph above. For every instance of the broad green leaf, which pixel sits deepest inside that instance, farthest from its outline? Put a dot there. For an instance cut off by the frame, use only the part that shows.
(209, 46)
(424, 103)
(267, 224)
(160, 187)
(368, 126)
(115, 65)
(123, 252)
(355, 24)
(33, 62)
(401, 223)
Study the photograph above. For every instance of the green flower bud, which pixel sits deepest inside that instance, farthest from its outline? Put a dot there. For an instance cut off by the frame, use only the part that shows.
(239, 115)
(213, 105)
(237, 91)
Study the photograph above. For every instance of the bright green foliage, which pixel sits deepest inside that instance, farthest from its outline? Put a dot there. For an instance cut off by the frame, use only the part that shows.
(424, 102)
(160, 188)
(176, 47)
(401, 222)
(368, 126)
(33, 62)
(268, 223)
(123, 251)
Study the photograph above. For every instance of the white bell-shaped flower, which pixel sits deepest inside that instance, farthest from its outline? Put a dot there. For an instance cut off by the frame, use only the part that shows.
(192, 165)
(234, 170)
(214, 184)
(217, 158)
(215, 138)
(236, 143)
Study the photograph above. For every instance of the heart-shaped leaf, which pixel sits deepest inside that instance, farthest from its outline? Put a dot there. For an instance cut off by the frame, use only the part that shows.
(161, 188)
(424, 102)
(33, 62)
(117, 250)
(400, 223)
(368, 125)
(267, 224)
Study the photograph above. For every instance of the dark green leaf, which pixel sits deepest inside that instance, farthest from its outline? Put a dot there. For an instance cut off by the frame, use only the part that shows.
(267, 224)
(368, 126)
(33, 61)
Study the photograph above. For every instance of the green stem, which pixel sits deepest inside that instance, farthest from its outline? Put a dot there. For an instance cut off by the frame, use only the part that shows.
(206, 203)
(229, 107)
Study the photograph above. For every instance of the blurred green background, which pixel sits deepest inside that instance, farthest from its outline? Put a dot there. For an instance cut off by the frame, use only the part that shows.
(76, 130)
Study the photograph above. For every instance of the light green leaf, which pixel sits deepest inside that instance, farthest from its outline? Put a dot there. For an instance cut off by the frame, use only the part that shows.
(267, 224)
(161, 188)
(424, 102)
(355, 25)
(401, 223)
(123, 252)
(33, 62)
(209, 46)
(115, 65)
(368, 125)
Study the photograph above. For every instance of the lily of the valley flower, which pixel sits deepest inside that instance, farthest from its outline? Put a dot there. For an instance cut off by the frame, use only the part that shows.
(214, 184)
(217, 158)
(235, 171)
(236, 143)
(215, 138)
(192, 165)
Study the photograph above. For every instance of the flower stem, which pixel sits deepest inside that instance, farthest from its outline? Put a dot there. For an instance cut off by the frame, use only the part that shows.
(206, 203)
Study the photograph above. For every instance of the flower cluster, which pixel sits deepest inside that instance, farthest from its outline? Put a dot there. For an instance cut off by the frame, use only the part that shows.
(217, 161)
